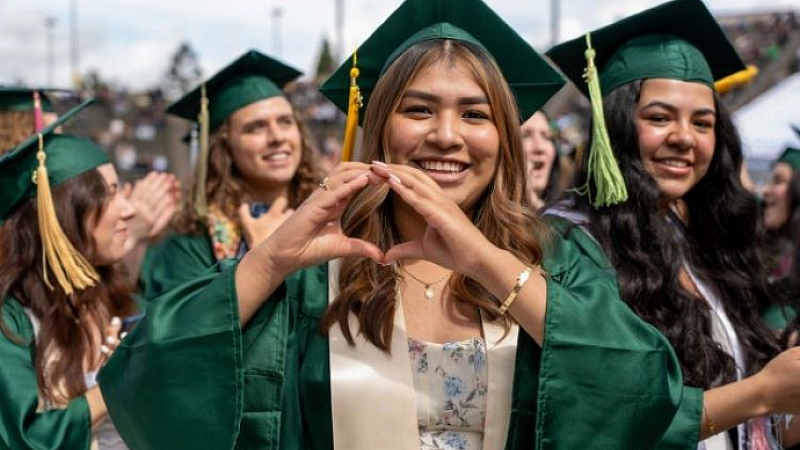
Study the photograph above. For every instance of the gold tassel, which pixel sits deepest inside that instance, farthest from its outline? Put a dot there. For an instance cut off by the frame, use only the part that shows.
(602, 166)
(735, 80)
(200, 202)
(70, 268)
(355, 102)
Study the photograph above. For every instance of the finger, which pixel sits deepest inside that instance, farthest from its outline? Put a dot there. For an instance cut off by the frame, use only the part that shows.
(127, 190)
(411, 249)
(278, 206)
(244, 214)
(422, 204)
(353, 247)
(112, 330)
(408, 174)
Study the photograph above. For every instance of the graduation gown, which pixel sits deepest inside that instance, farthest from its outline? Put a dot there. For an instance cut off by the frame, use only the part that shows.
(22, 425)
(189, 377)
(176, 259)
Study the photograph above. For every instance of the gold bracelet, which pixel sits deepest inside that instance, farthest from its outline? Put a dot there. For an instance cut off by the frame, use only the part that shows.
(522, 278)
(709, 422)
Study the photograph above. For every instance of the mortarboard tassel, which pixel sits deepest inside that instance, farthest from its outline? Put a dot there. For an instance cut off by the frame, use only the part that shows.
(200, 202)
(602, 167)
(355, 102)
(37, 112)
(70, 268)
(735, 80)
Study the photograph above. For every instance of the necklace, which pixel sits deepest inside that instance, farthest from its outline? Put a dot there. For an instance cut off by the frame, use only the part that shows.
(429, 293)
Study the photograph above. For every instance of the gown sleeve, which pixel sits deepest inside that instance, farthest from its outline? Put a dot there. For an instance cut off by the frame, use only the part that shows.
(22, 426)
(178, 258)
(180, 378)
(603, 378)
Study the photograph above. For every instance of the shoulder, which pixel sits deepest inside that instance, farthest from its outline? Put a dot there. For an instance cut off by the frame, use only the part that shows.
(15, 320)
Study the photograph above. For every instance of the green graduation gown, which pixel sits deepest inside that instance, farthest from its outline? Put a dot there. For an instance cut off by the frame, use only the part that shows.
(22, 426)
(176, 259)
(189, 377)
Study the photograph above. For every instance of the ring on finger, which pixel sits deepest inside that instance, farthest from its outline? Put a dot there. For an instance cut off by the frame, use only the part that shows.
(324, 184)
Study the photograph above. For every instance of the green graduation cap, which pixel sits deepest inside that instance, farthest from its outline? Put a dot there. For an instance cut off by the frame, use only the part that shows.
(531, 78)
(796, 130)
(15, 98)
(791, 156)
(252, 77)
(28, 171)
(676, 40)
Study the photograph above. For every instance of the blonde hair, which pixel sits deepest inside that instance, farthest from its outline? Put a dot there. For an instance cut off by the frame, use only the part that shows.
(502, 213)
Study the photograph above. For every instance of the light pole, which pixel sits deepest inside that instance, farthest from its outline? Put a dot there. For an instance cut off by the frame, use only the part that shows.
(74, 51)
(49, 24)
(555, 22)
(276, 31)
(339, 18)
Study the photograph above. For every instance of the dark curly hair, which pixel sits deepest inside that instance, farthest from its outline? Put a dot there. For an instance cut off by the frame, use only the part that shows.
(720, 243)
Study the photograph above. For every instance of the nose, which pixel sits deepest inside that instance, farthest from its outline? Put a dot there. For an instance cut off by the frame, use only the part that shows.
(682, 136)
(127, 211)
(276, 134)
(446, 131)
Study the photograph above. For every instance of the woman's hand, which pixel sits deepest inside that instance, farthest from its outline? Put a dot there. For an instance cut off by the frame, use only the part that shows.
(111, 339)
(779, 382)
(155, 198)
(311, 235)
(257, 229)
(451, 240)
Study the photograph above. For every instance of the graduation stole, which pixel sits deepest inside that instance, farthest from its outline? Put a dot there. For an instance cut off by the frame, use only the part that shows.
(363, 375)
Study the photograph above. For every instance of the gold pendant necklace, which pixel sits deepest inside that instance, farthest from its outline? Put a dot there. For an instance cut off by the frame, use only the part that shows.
(429, 293)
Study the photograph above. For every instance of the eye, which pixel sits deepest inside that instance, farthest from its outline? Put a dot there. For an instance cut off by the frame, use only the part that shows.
(417, 111)
(658, 118)
(286, 120)
(476, 115)
(704, 124)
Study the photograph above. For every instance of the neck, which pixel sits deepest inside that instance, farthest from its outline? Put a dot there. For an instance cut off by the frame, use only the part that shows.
(266, 193)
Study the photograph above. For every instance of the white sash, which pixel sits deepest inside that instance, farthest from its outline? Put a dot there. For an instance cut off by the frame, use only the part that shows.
(372, 394)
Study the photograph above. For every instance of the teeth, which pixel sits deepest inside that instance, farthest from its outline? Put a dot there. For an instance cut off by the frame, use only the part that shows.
(442, 166)
(278, 157)
(675, 163)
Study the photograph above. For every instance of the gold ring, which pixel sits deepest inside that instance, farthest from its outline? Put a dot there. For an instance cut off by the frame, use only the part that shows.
(324, 184)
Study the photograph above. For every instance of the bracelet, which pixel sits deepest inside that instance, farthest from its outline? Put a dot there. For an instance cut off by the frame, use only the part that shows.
(709, 422)
(522, 278)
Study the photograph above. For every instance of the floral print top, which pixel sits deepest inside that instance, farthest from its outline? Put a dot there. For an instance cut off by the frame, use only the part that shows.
(450, 381)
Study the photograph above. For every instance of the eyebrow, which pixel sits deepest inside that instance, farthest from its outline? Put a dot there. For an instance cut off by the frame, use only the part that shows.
(476, 100)
(672, 108)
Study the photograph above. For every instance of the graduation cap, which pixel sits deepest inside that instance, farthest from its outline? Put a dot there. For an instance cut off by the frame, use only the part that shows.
(791, 156)
(531, 78)
(796, 130)
(252, 77)
(29, 170)
(16, 98)
(678, 40)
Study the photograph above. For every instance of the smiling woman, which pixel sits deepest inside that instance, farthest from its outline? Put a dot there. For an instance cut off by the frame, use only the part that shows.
(258, 166)
(684, 244)
(415, 301)
(60, 294)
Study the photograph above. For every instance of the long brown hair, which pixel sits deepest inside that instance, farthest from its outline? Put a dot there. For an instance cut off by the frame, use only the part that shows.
(225, 187)
(502, 214)
(15, 127)
(69, 325)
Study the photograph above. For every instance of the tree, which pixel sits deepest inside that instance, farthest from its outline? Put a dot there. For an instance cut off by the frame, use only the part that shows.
(325, 65)
(184, 72)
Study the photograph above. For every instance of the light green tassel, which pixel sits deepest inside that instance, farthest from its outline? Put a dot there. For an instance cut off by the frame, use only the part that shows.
(602, 166)
(200, 202)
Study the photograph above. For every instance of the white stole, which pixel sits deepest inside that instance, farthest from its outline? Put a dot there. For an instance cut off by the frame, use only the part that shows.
(372, 394)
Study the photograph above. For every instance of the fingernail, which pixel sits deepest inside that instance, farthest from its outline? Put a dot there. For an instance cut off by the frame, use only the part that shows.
(116, 321)
(394, 178)
(123, 334)
(110, 340)
(104, 350)
(380, 163)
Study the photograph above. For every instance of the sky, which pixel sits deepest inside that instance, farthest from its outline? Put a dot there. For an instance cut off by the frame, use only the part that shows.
(130, 42)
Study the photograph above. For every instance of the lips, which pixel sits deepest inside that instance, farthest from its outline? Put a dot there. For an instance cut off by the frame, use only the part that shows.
(277, 157)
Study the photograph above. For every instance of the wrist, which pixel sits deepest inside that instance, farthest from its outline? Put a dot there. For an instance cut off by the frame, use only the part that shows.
(762, 401)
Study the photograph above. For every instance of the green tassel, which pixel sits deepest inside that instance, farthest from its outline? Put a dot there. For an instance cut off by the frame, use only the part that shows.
(200, 202)
(602, 167)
